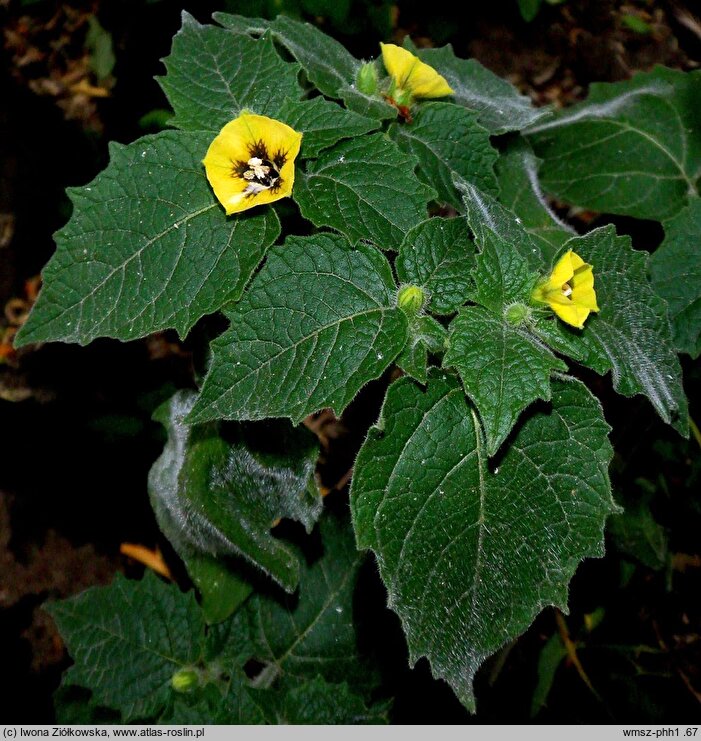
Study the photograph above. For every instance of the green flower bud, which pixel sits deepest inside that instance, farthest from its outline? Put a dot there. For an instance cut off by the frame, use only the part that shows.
(367, 79)
(403, 98)
(517, 313)
(185, 680)
(410, 299)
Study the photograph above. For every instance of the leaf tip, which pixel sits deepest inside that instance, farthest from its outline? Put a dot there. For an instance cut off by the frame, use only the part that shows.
(188, 21)
(24, 335)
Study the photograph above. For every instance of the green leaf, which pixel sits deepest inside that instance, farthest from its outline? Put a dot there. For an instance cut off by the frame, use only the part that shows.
(313, 635)
(156, 119)
(318, 322)
(675, 268)
(242, 24)
(529, 9)
(147, 248)
(490, 222)
(128, 639)
(413, 360)
(438, 256)
(501, 275)
(446, 138)
(497, 103)
(470, 555)
(228, 643)
(367, 105)
(76, 706)
(99, 43)
(636, 23)
(327, 63)
(426, 335)
(502, 367)
(631, 335)
(317, 702)
(633, 147)
(558, 335)
(141, 647)
(636, 532)
(221, 589)
(305, 643)
(213, 74)
(517, 173)
(551, 656)
(238, 705)
(312, 669)
(486, 216)
(323, 123)
(218, 496)
(366, 188)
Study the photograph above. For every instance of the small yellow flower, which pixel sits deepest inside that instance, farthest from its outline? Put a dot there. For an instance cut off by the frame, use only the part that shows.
(251, 162)
(569, 290)
(411, 78)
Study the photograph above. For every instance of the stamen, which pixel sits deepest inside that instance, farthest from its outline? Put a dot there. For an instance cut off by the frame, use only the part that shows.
(261, 175)
(255, 188)
(566, 290)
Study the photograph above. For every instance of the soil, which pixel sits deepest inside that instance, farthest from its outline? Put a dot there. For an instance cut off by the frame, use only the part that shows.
(76, 436)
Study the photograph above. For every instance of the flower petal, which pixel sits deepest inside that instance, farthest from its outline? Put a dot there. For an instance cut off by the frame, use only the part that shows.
(577, 261)
(582, 283)
(398, 62)
(585, 297)
(571, 314)
(411, 74)
(568, 290)
(583, 277)
(248, 136)
(563, 270)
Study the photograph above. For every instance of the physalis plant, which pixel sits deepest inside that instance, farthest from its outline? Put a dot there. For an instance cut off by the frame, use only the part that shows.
(419, 248)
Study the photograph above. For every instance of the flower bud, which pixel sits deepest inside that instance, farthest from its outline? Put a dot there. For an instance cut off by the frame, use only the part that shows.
(403, 98)
(410, 299)
(367, 79)
(517, 313)
(185, 680)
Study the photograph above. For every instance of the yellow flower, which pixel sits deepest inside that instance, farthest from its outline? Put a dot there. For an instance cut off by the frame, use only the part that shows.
(251, 162)
(411, 78)
(569, 291)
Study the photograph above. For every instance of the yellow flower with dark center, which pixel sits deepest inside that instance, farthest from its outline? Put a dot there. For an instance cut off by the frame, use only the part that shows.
(411, 78)
(251, 162)
(569, 290)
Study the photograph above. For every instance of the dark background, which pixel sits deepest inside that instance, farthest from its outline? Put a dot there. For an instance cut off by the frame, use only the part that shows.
(76, 436)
